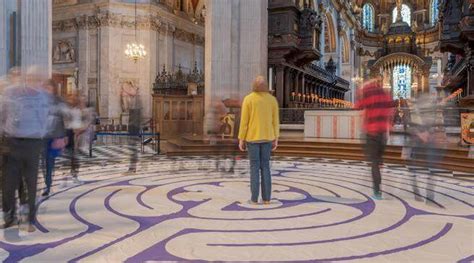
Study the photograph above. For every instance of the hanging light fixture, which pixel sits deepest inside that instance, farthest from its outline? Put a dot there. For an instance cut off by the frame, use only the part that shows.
(134, 50)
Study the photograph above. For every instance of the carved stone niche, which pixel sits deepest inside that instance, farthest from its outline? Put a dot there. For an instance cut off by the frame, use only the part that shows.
(64, 51)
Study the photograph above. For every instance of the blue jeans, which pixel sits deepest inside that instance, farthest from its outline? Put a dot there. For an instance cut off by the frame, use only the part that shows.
(48, 176)
(259, 157)
(50, 157)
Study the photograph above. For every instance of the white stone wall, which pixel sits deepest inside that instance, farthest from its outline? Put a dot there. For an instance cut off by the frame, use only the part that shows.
(236, 46)
(3, 39)
(36, 19)
(236, 49)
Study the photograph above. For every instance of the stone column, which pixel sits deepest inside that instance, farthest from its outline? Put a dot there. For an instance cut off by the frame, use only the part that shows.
(236, 35)
(103, 36)
(36, 33)
(287, 88)
(3, 39)
(425, 86)
(169, 47)
(280, 84)
(297, 83)
(83, 61)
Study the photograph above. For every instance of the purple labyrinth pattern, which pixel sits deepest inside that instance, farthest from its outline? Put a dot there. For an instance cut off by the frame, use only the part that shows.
(179, 209)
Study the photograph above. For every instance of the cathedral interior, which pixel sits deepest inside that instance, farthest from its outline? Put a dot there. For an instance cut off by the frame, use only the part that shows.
(163, 86)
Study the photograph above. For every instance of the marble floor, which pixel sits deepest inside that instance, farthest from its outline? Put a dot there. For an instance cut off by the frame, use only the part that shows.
(182, 209)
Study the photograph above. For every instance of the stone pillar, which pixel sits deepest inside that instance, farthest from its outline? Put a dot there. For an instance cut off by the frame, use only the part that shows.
(3, 39)
(287, 88)
(169, 47)
(36, 33)
(425, 82)
(236, 35)
(104, 33)
(83, 62)
(297, 83)
(280, 84)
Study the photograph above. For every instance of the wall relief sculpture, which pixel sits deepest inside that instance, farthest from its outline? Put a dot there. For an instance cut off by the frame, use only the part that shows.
(64, 52)
(128, 94)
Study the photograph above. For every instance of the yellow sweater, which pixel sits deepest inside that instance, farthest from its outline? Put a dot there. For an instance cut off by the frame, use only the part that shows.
(260, 119)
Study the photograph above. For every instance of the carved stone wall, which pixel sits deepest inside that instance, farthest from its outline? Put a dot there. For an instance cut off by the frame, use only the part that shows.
(100, 32)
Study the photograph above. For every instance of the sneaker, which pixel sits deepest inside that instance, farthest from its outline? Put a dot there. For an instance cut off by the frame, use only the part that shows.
(75, 180)
(9, 223)
(130, 171)
(266, 202)
(377, 196)
(46, 192)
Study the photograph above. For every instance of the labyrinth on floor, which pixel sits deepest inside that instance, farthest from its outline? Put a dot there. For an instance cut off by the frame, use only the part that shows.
(182, 209)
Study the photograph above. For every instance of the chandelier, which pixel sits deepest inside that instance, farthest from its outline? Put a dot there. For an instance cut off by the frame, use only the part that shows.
(135, 51)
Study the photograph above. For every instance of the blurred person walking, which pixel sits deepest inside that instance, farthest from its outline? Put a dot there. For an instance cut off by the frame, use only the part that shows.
(13, 79)
(25, 121)
(57, 140)
(73, 124)
(428, 139)
(258, 134)
(85, 134)
(134, 131)
(378, 108)
(213, 123)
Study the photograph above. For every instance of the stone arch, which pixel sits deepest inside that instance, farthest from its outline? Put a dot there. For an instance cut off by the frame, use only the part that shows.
(345, 48)
(329, 34)
(390, 61)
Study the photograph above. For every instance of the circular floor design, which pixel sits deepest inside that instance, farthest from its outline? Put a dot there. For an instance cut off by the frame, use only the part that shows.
(180, 209)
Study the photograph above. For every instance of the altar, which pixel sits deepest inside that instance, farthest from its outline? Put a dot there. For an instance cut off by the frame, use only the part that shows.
(333, 123)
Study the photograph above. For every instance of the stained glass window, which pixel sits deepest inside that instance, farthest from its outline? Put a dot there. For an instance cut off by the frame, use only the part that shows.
(402, 82)
(406, 14)
(434, 11)
(368, 17)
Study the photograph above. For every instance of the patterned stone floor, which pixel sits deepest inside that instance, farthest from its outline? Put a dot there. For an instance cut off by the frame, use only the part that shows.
(180, 209)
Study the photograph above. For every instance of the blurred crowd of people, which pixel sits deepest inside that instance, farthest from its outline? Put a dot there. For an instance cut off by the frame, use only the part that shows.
(423, 121)
(38, 125)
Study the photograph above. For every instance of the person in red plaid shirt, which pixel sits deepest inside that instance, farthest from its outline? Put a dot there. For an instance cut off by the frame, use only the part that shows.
(378, 109)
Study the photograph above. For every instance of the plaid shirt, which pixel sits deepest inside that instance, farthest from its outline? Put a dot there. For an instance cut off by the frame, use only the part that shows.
(378, 108)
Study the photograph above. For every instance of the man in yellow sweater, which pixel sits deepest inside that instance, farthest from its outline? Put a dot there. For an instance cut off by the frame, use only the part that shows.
(259, 132)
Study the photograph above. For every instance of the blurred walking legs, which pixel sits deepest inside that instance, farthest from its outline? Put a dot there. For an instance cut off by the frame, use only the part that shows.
(22, 163)
(375, 147)
(133, 142)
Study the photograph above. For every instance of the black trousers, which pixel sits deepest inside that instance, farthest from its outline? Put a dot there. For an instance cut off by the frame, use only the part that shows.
(21, 188)
(21, 163)
(133, 143)
(374, 149)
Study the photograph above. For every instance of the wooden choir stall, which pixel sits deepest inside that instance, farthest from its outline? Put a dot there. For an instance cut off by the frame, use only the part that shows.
(178, 103)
